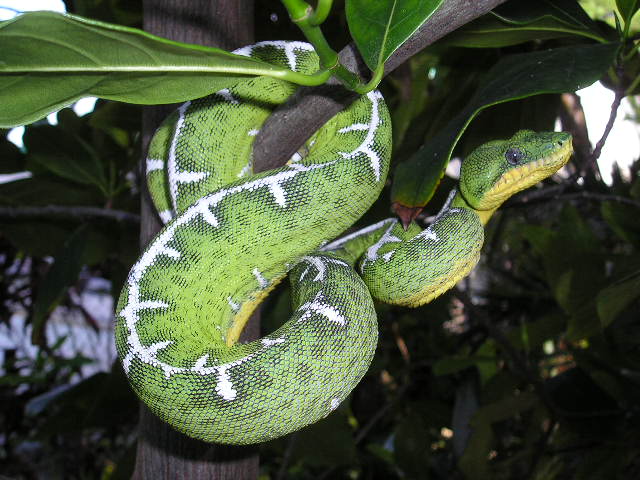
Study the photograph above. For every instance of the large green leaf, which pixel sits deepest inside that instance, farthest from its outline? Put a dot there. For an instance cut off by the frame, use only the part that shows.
(517, 22)
(514, 77)
(379, 27)
(49, 60)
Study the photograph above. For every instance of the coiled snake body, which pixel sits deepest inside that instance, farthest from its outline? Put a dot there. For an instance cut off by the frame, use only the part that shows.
(231, 236)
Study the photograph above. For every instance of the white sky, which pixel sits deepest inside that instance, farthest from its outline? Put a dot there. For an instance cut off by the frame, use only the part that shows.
(9, 8)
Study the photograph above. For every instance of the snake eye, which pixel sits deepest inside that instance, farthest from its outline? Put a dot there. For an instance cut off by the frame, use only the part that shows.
(514, 156)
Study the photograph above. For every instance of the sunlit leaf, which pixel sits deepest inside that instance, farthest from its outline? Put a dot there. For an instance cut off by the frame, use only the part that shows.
(49, 60)
(379, 27)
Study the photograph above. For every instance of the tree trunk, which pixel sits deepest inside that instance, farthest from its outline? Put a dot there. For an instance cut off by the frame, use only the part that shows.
(162, 452)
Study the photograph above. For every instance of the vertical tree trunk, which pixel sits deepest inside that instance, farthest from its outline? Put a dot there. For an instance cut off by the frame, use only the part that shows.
(162, 452)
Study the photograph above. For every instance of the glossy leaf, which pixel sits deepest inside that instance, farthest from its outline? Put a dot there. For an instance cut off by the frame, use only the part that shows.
(379, 27)
(514, 77)
(49, 60)
(517, 22)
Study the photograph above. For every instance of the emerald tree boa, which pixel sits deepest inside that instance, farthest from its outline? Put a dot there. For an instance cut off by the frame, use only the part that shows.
(231, 236)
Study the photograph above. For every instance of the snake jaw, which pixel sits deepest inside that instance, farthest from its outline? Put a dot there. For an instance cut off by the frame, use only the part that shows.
(524, 176)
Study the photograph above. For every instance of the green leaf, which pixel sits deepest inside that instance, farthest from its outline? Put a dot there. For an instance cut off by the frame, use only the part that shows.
(63, 273)
(627, 9)
(54, 150)
(379, 27)
(518, 22)
(613, 300)
(49, 60)
(514, 77)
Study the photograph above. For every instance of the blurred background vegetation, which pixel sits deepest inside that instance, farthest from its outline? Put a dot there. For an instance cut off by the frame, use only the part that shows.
(529, 369)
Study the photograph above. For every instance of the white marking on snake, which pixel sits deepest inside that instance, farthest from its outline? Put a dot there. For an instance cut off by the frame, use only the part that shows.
(263, 282)
(224, 388)
(226, 94)
(154, 164)
(172, 168)
(246, 170)
(336, 244)
(296, 157)
(372, 251)
(288, 47)
(208, 216)
(160, 246)
(165, 215)
(319, 305)
(234, 305)
(354, 127)
(170, 252)
(190, 177)
(366, 147)
(321, 264)
(268, 342)
(335, 403)
(387, 256)
(279, 194)
(428, 234)
(253, 132)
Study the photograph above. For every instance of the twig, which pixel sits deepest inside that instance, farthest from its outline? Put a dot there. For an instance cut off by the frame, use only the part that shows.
(612, 118)
(69, 212)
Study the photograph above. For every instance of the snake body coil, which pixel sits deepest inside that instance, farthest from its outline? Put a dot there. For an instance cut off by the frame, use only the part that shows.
(231, 236)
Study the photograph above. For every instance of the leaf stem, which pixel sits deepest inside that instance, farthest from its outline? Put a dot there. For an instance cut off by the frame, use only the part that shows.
(320, 14)
(373, 83)
(302, 15)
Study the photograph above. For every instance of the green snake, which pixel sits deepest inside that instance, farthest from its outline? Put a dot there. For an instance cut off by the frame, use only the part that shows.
(231, 236)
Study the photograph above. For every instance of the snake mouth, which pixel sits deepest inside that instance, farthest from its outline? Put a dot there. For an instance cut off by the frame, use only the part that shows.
(527, 175)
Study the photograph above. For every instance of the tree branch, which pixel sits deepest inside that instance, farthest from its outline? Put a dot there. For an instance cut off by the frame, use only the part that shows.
(68, 212)
(294, 121)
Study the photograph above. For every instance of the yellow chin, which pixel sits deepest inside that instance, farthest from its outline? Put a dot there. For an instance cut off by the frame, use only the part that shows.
(523, 177)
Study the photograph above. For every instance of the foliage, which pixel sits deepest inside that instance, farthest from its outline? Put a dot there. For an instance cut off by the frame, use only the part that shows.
(529, 369)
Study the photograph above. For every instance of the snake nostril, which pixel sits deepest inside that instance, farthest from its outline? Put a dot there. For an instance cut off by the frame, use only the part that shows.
(560, 142)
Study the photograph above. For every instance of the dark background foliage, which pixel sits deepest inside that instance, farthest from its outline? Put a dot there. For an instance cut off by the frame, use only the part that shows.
(528, 369)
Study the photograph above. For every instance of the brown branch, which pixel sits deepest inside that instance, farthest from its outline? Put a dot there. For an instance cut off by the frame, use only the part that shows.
(68, 212)
(293, 122)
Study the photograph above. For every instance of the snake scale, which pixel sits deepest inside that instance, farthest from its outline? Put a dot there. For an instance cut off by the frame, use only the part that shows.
(231, 236)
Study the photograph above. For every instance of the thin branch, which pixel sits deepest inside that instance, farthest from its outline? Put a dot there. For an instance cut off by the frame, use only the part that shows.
(612, 118)
(68, 212)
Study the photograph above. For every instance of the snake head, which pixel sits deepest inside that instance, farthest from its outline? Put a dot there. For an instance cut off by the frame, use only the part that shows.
(496, 170)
